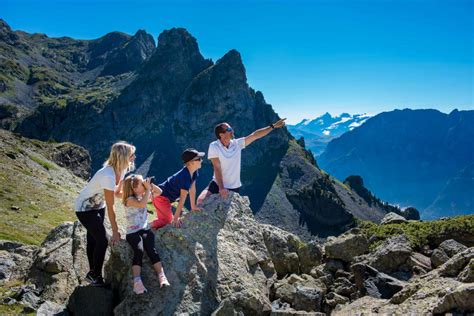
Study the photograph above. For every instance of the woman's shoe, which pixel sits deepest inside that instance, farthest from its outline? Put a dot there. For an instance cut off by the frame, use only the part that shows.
(98, 282)
(90, 277)
(138, 287)
(163, 280)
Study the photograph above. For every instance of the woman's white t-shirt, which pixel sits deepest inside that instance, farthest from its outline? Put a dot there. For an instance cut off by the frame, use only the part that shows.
(230, 159)
(92, 196)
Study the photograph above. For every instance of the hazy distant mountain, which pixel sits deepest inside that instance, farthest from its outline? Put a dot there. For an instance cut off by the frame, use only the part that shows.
(320, 131)
(410, 157)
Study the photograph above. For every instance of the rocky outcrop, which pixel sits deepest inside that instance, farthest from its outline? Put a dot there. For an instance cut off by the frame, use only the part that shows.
(393, 218)
(446, 250)
(217, 262)
(346, 247)
(15, 260)
(61, 263)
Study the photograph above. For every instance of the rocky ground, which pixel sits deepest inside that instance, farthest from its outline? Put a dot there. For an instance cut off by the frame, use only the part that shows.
(223, 262)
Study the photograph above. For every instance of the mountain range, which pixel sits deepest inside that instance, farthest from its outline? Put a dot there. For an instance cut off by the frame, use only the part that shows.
(163, 99)
(421, 158)
(321, 130)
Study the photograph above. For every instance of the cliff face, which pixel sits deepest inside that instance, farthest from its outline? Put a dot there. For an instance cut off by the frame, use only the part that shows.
(172, 101)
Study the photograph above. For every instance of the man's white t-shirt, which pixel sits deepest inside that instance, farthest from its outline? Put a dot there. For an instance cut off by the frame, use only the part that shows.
(92, 196)
(230, 161)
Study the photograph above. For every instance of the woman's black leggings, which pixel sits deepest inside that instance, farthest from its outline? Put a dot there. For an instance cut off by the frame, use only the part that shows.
(97, 242)
(143, 240)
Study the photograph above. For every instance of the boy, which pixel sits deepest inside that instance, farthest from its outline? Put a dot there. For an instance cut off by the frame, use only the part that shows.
(177, 187)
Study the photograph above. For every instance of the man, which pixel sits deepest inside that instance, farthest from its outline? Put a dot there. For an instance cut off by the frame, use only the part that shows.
(225, 155)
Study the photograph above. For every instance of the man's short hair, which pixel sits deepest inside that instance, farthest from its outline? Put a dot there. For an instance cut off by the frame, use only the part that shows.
(219, 129)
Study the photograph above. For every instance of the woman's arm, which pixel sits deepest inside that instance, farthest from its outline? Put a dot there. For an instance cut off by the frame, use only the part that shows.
(118, 190)
(109, 201)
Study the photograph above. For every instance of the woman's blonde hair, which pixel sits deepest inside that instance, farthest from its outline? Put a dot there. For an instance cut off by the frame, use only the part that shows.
(119, 157)
(130, 183)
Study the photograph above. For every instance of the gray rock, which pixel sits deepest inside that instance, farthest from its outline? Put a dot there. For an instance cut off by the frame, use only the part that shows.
(371, 282)
(459, 300)
(283, 248)
(456, 264)
(438, 257)
(61, 262)
(50, 308)
(308, 299)
(206, 262)
(332, 299)
(344, 287)
(89, 300)
(15, 260)
(467, 275)
(346, 247)
(451, 247)
(390, 255)
(310, 255)
(333, 265)
(393, 218)
(446, 250)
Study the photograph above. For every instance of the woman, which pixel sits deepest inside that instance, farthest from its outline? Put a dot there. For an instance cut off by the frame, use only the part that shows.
(100, 192)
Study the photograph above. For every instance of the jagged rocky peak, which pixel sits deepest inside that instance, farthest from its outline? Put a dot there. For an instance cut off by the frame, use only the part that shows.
(232, 63)
(108, 42)
(130, 55)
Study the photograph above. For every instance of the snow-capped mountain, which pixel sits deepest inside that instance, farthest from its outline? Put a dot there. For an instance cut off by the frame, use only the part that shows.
(319, 131)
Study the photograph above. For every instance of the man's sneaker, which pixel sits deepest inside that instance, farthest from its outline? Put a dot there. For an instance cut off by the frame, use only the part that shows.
(90, 277)
(138, 287)
(98, 281)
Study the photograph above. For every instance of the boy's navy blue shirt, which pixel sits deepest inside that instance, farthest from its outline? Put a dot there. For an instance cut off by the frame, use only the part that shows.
(181, 180)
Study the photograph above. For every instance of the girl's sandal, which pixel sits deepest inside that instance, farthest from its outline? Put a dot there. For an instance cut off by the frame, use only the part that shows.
(163, 280)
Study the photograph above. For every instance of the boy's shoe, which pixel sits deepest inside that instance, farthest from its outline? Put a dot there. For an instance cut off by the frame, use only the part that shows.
(138, 287)
(98, 282)
(163, 280)
(90, 277)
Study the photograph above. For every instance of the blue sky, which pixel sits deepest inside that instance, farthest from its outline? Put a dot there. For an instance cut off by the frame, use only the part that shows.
(307, 57)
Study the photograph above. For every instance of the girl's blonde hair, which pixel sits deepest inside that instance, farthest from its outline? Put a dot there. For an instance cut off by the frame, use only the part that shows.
(119, 157)
(130, 183)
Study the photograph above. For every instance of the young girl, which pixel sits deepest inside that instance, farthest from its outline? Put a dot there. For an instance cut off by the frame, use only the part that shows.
(136, 193)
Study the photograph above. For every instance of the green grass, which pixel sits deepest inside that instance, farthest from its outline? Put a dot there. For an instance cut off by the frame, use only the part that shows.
(419, 234)
(45, 164)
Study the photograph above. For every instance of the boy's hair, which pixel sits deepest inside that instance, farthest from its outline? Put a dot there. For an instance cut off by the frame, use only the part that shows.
(119, 156)
(219, 129)
(130, 183)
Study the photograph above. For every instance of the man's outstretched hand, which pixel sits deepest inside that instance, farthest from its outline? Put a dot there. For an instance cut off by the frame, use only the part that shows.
(279, 124)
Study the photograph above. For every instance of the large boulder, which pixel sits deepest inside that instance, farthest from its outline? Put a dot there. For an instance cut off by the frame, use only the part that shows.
(446, 250)
(289, 253)
(61, 263)
(15, 260)
(346, 247)
(467, 275)
(217, 262)
(391, 254)
(393, 218)
(371, 282)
